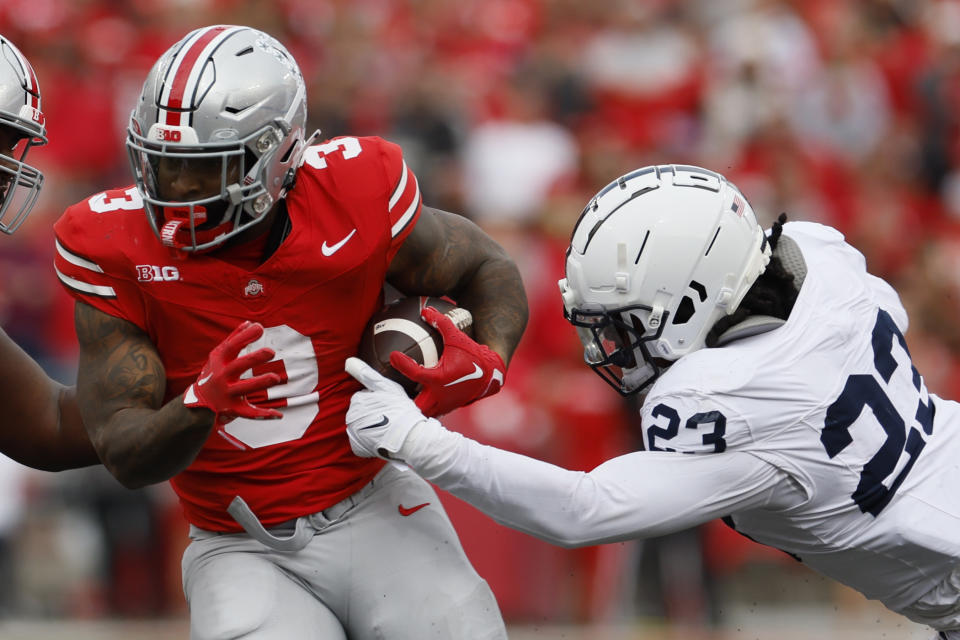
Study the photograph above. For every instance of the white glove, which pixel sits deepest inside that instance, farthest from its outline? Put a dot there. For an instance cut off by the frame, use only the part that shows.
(380, 417)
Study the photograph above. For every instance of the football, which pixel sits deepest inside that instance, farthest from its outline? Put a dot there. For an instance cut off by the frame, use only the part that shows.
(399, 327)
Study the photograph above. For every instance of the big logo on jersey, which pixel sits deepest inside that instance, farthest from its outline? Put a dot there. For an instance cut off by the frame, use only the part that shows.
(156, 273)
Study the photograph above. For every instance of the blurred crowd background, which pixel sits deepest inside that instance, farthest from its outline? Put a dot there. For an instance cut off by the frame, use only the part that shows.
(514, 113)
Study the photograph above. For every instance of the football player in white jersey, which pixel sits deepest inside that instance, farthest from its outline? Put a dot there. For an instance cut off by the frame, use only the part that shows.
(780, 395)
(41, 424)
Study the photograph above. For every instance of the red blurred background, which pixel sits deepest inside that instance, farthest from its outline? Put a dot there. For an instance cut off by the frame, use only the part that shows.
(513, 113)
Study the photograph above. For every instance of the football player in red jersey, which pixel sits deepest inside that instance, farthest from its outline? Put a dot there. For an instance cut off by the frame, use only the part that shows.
(238, 216)
(42, 426)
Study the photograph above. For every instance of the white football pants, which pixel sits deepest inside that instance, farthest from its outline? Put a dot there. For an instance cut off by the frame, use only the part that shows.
(372, 574)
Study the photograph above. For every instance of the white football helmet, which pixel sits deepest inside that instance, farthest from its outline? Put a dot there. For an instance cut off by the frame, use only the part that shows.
(228, 98)
(20, 113)
(656, 258)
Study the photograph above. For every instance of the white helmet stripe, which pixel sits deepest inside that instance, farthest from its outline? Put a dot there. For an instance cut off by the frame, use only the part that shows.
(185, 70)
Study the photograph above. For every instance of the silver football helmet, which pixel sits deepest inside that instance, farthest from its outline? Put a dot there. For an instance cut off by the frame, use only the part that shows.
(22, 124)
(656, 258)
(226, 100)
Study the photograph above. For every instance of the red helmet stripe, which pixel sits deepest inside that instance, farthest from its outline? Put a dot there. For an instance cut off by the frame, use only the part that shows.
(185, 63)
(32, 89)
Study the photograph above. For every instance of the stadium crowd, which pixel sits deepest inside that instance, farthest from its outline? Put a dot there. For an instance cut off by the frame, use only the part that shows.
(513, 112)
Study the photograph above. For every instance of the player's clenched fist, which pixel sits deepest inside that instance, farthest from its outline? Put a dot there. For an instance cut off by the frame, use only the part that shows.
(466, 372)
(219, 386)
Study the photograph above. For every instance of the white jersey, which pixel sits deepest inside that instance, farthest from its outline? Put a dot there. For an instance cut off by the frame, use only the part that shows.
(818, 438)
(832, 399)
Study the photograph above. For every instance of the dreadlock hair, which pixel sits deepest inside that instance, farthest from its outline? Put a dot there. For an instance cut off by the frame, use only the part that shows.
(772, 294)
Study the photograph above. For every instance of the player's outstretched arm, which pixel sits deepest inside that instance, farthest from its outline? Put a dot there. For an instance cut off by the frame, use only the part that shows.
(121, 384)
(636, 495)
(41, 426)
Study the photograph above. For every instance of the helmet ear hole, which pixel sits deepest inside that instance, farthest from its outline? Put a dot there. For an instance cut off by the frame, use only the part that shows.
(286, 154)
(685, 311)
(249, 160)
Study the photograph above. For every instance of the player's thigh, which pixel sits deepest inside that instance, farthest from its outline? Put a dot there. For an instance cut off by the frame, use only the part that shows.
(412, 579)
(235, 592)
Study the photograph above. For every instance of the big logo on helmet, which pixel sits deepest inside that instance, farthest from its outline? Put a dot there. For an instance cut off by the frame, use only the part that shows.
(169, 135)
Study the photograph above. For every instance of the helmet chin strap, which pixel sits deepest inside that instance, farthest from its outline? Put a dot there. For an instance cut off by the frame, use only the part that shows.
(635, 377)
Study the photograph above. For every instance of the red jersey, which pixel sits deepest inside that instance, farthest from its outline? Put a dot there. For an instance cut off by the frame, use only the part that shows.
(353, 204)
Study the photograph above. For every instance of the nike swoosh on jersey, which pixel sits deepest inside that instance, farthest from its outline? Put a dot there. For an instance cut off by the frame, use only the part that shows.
(477, 373)
(404, 511)
(374, 426)
(329, 250)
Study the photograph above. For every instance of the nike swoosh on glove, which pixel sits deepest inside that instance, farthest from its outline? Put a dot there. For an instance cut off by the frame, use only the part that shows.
(381, 416)
(466, 371)
(219, 386)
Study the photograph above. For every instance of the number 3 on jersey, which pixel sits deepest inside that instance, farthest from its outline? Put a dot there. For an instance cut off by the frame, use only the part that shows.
(116, 200)
(314, 156)
(296, 397)
(864, 390)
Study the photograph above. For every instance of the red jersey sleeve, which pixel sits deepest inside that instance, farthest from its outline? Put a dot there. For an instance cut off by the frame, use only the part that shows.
(368, 178)
(405, 200)
(92, 267)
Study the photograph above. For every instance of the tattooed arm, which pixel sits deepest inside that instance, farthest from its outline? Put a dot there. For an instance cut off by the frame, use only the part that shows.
(446, 254)
(41, 424)
(120, 387)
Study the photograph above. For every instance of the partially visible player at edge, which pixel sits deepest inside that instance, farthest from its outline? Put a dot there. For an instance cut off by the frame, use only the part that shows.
(780, 395)
(239, 222)
(41, 424)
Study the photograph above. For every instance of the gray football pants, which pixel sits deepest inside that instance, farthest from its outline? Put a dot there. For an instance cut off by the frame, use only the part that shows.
(370, 574)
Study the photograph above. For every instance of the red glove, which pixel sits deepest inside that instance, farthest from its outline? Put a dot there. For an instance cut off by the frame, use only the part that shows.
(219, 386)
(467, 370)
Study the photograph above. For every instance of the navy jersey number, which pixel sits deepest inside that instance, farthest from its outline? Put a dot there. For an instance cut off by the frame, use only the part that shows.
(864, 390)
(669, 432)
